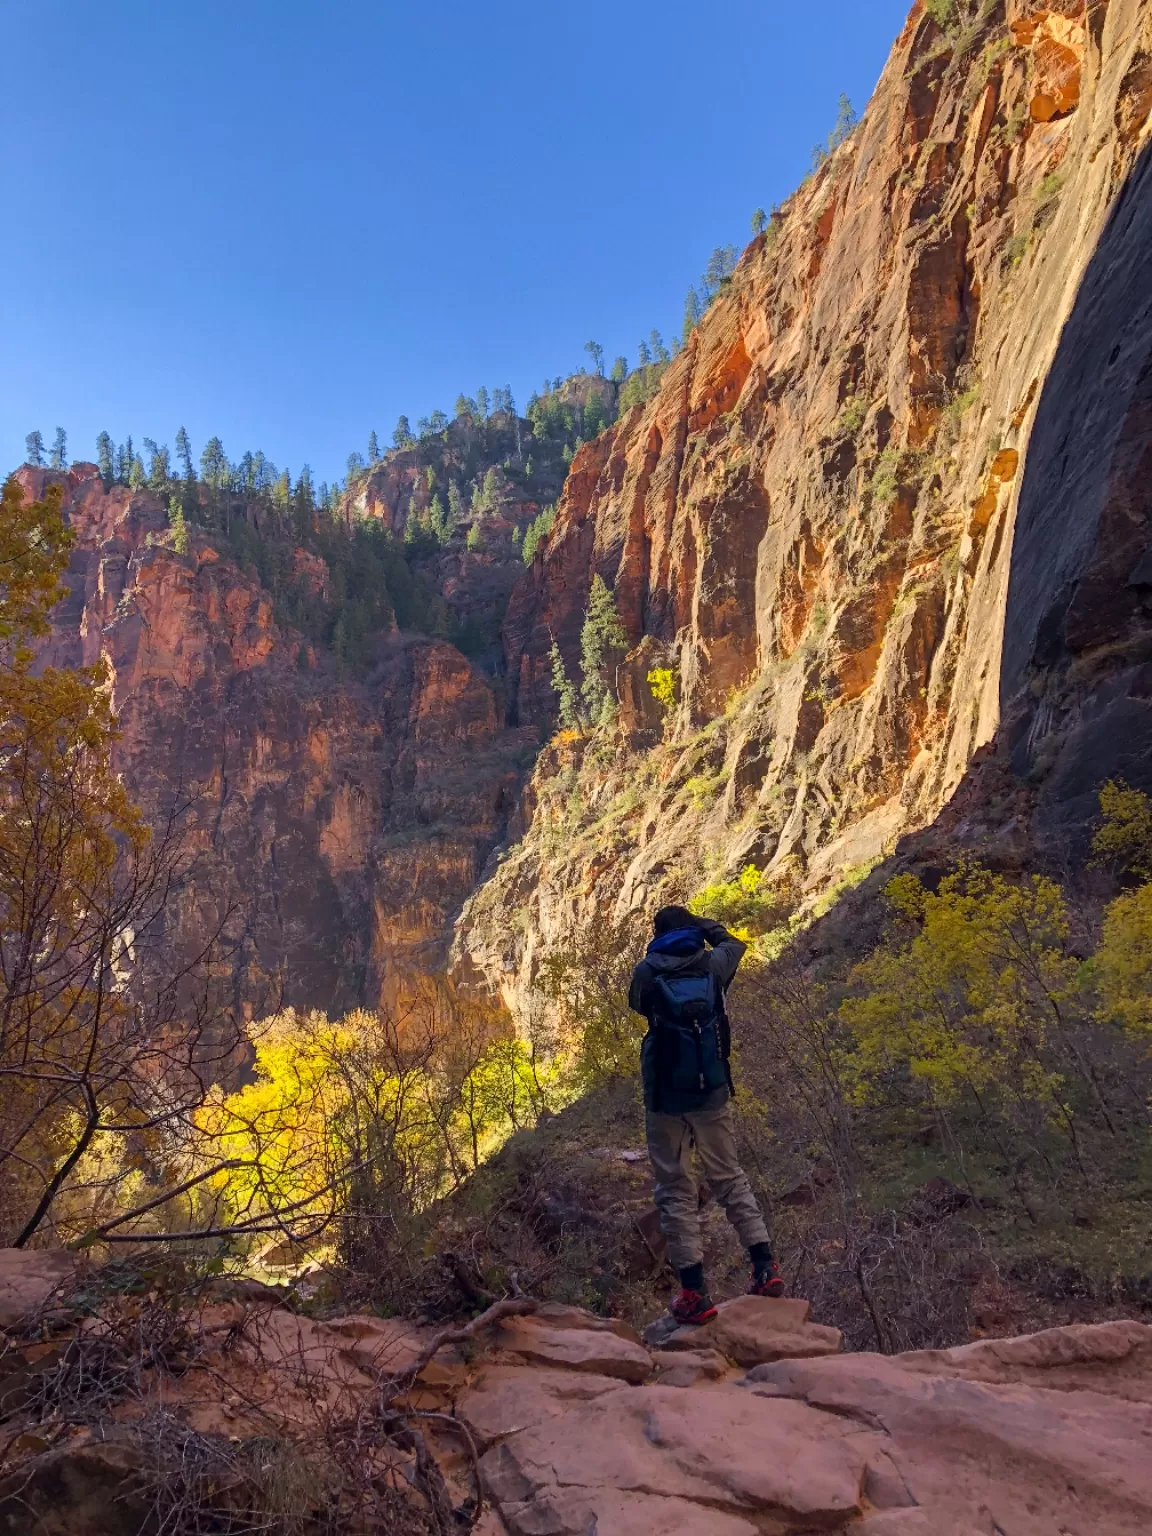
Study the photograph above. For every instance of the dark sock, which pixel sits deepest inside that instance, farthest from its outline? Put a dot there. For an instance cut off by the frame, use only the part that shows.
(761, 1256)
(692, 1277)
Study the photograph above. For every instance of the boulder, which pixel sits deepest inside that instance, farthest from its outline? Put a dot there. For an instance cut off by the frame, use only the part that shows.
(753, 1329)
(598, 1351)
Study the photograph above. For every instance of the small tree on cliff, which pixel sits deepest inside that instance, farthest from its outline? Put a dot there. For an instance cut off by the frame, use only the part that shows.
(567, 699)
(759, 221)
(178, 526)
(602, 644)
(34, 449)
(59, 456)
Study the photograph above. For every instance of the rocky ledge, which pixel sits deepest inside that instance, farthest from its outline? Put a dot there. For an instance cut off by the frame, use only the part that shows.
(544, 1420)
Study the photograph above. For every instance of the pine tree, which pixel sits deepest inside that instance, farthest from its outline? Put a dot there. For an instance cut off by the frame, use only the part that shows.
(482, 402)
(437, 422)
(567, 700)
(373, 448)
(184, 454)
(596, 352)
(759, 221)
(215, 470)
(355, 465)
(104, 459)
(178, 526)
(58, 458)
(644, 355)
(437, 522)
(718, 273)
(412, 522)
(845, 122)
(159, 468)
(455, 504)
(659, 350)
(602, 642)
(402, 433)
(137, 479)
(34, 449)
(595, 416)
(490, 493)
(619, 370)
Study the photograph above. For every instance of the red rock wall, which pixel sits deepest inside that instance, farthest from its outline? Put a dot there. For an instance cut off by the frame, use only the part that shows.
(344, 822)
(813, 520)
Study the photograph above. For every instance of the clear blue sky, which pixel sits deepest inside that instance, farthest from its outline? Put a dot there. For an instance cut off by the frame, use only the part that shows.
(287, 222)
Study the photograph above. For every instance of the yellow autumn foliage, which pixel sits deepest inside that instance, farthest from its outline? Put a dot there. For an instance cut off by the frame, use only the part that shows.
(972, 1002)
(359, 1111)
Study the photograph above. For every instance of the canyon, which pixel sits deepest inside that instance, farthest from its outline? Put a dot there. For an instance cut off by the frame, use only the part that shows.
(885, 521)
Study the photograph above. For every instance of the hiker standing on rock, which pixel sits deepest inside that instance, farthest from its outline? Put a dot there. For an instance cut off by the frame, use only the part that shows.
(679, 988)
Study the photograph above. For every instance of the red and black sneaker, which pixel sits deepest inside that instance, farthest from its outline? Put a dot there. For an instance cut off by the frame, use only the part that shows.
(766, 1282)
(692, 1307)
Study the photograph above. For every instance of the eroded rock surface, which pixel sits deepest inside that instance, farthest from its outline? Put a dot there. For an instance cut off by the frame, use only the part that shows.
(891, 497)
(1029, 1436)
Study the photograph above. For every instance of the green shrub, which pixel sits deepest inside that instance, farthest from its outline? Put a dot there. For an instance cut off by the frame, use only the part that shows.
(742, 904)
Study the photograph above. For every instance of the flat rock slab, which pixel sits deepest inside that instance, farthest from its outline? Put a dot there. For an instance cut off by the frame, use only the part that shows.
(29, 1279)
(1114, 1357)
(504, 1399)
(610, 1512)
(716, 1449)
(600, 1352)
(1034, 1459)
(557, 1315)
(751, 1330)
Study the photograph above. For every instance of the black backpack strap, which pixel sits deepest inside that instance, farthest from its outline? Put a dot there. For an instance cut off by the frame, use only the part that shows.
(724, 1033)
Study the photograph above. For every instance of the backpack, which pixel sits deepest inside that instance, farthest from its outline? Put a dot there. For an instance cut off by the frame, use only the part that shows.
(691, 1038)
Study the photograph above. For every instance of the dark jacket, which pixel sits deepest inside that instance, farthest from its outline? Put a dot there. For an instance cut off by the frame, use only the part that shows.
(683, 950)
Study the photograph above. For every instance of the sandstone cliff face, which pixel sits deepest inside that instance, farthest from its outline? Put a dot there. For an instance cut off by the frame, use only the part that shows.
(343, 823)
(894, 492)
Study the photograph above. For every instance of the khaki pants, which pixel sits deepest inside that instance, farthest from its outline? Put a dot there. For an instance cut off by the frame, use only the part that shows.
(670, 1140)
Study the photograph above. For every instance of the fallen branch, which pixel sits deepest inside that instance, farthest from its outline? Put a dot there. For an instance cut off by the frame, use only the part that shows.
(459, 1424)
(393, 1387)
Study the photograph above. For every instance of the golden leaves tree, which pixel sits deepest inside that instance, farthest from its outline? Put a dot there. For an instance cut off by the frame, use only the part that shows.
(86, 1052)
